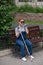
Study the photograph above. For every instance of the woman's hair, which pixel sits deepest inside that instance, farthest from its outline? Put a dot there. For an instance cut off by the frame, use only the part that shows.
(21, 20)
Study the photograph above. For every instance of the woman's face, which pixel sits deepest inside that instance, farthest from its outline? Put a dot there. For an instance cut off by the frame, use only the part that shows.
(21, 23)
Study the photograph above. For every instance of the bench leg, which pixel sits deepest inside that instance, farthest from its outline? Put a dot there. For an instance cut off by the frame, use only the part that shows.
(41, 44)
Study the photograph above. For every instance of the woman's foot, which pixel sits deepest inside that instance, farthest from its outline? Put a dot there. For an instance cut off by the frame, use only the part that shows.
(31, 57)
(24, 59)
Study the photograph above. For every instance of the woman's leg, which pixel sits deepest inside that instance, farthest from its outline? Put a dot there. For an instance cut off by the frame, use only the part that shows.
(29, 44)
(21, 44)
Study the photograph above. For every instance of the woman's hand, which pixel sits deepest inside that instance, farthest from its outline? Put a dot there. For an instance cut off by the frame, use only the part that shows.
(17, 32)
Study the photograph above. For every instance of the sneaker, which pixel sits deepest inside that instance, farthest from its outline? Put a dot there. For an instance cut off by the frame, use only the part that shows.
(24, 59)
(31, 57)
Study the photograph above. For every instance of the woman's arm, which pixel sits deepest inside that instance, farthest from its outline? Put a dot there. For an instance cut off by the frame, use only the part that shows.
(17, 33)
(26, 29)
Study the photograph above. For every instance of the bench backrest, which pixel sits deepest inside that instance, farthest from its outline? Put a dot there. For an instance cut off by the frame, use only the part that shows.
(34, 32)
(12, 35)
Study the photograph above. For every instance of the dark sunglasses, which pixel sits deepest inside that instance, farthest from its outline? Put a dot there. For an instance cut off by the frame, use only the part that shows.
(22, 21)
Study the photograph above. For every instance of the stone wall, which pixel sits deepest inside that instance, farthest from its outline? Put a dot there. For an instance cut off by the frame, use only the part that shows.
(30, 16)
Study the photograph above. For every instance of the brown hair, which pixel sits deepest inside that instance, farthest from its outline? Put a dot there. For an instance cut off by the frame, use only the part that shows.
(21, 19)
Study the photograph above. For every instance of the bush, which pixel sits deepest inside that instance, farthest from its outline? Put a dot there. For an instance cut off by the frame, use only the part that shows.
(5, 16)
(30, 9)
(37, 10)
(25, 8)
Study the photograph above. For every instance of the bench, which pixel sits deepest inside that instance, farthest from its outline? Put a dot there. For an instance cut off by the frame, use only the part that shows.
(34, 35)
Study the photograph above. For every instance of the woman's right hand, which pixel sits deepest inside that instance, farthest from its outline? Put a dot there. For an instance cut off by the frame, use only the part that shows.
(18, 32)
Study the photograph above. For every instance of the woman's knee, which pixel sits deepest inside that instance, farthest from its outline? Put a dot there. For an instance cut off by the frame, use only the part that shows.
(19, 42)
(30, 44)
(22, 45)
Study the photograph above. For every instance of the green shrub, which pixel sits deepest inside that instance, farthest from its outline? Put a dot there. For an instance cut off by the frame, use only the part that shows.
(5, 16)
(25, 8)
(42, 10)
(37, 10)
(30, 9)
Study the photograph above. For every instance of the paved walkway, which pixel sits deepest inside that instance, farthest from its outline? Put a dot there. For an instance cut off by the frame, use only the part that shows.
(15, 60)
(5, 52)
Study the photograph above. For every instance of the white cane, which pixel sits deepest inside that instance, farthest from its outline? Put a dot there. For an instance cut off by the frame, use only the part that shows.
(25, 44)
(24, 41)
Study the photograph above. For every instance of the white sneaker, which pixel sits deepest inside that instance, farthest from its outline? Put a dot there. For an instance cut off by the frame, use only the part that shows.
(31, 57)
(24, 59)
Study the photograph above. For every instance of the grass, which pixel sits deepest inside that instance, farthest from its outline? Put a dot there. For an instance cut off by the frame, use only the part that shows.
(29, 22)
(34, 22)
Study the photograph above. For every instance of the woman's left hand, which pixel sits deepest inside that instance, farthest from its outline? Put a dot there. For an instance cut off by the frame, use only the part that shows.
(26, 29)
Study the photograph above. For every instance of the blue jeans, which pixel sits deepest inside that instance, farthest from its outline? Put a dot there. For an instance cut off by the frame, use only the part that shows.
(22, 48)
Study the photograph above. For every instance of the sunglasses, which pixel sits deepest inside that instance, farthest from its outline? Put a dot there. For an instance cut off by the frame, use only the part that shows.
(22, 21)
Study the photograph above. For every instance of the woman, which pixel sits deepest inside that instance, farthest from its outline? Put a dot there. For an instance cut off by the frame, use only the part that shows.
(21, 28)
